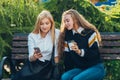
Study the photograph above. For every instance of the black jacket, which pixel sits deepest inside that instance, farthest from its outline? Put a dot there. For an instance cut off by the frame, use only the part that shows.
(91, 52)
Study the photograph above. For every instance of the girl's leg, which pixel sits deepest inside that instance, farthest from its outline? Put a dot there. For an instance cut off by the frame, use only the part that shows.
(96, 72)
(70, 74)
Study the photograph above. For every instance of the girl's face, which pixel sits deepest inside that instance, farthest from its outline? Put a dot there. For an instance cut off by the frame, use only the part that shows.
(68, 21)
(45, 25)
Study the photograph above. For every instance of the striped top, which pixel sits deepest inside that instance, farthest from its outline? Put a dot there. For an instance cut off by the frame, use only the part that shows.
(87, 42)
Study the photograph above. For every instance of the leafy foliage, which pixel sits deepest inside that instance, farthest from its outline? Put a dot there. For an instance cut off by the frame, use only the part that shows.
(112, 16)
(112, 70)
(89, 11)
(15, 16)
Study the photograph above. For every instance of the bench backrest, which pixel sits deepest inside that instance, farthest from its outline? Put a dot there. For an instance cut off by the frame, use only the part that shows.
(19, 46)
(110, 48)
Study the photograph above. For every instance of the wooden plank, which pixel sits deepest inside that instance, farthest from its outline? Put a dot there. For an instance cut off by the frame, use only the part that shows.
(110, 36)
(19, 56)
(19, 44)
(110, 56)
(111, 43)
(19, 50)
(20, 36)
(110, 33)
(110, 50)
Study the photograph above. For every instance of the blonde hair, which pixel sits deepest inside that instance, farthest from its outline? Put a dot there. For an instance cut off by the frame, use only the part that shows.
(42, 15)
(79, 21)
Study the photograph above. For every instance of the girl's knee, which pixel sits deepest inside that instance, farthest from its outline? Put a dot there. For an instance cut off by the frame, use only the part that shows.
(65, 76)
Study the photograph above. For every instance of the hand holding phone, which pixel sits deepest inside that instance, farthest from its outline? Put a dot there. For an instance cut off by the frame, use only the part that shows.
(37, 51)
(70, 44)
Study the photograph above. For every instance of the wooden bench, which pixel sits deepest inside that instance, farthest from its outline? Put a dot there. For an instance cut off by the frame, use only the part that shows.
(18, 56)
(110, 50)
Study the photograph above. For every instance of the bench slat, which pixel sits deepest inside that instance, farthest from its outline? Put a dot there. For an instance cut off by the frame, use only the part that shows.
(110, 56)
(20, 50)
(19, 56)
(110, 50)
(111, 43)
(20, 36)
(110, 37)
(19, 44)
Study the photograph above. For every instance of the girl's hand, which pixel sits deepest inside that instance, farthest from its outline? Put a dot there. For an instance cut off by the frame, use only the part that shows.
(75, 48)
(37, 55)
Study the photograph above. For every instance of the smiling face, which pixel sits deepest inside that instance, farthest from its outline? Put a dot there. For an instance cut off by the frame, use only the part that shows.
(68, 21)
(45, 26)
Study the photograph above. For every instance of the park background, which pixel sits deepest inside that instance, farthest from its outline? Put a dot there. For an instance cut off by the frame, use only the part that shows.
(20, 16)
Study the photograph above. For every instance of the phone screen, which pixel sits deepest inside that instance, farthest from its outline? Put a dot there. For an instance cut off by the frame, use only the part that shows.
(37, 49)
(70, 44)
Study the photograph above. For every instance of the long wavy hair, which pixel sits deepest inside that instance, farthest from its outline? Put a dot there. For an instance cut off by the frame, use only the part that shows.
(40, 17)
(79, 21)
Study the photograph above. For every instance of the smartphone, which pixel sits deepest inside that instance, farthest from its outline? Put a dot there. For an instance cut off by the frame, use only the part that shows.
(70, 44)
(37, 49)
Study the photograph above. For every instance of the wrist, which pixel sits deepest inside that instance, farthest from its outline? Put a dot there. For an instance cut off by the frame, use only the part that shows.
(32, 58)
(79, 51)
(82, 53)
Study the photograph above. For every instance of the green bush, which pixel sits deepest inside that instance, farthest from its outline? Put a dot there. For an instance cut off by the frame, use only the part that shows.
(112, 70)
(103, 21)
(15, 16)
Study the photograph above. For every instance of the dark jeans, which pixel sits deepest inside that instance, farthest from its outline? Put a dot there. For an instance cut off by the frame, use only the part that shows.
(96, 72)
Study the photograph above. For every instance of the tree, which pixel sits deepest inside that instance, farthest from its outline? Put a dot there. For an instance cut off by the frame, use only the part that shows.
(88, 10)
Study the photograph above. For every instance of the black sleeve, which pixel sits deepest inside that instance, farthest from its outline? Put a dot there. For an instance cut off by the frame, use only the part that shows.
(92, 51)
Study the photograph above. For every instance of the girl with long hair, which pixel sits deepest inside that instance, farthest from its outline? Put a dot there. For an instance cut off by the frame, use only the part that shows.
(78, 46)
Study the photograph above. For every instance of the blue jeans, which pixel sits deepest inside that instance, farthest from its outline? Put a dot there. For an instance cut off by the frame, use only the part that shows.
(96, 72)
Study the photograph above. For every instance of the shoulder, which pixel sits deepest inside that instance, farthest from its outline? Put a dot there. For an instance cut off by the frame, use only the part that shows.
(32, 35)
(57, 32)
(87, 32)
